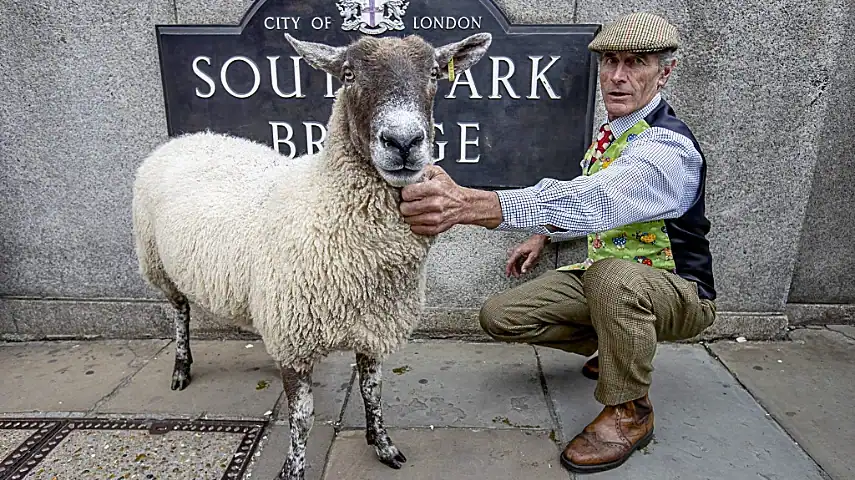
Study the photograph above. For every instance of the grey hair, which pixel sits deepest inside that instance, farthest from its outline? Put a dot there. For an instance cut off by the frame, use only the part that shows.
(666, 57)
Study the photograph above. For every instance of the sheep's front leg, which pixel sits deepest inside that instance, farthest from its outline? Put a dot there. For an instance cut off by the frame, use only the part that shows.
(183, 357)
(370, 384)
(301, 415)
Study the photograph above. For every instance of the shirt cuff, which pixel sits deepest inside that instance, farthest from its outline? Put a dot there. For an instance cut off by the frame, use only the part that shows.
(520, 209)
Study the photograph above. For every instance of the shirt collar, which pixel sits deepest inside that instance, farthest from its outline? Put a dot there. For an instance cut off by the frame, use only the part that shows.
(621, 124)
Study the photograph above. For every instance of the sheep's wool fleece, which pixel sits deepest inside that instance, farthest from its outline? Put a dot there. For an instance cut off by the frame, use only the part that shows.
(310, 251)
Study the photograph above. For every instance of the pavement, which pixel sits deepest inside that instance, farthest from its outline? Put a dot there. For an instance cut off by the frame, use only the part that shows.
(102, 409)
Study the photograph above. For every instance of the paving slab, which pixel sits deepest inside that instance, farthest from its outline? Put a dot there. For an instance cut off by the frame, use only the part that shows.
(707, 426)
(458, 384)
(276, 444)
(67, 376)
(458, 453)
(848, 330)
(227, 379)
(807, 385)
(331, 379)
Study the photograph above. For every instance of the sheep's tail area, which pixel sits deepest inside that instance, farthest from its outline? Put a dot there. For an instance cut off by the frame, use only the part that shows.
(145, 242)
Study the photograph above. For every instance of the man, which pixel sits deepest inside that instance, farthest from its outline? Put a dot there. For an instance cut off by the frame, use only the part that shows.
(640, 202)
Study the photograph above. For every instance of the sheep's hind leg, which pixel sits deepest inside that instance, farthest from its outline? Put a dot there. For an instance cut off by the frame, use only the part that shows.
(183, 357)
(297, 381)
(370, 384)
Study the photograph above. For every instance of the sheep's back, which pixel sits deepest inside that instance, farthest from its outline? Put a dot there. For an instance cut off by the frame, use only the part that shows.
(202, 194)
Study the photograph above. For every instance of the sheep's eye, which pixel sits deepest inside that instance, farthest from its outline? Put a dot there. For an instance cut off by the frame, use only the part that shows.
(347, 75)
(434, 72)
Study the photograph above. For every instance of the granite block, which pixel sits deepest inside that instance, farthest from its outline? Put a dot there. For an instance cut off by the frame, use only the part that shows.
(822, 275)
(751, 325)
(467, 264)
(805, 385)
(7, 323)
(735, 110)
(707, 426)
(68, 376)
(820, 314)
(82, 106)
(39, 319)
(211, 11)
(537, 11)
(571, 251)
(450, 453)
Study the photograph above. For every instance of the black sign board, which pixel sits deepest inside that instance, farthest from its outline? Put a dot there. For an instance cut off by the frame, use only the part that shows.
(524, 112)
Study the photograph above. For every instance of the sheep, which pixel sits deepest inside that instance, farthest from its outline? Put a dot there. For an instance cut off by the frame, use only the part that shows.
(310, 252)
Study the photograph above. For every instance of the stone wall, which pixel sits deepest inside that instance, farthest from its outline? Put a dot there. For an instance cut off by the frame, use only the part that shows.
(764, 86)
(821, 290)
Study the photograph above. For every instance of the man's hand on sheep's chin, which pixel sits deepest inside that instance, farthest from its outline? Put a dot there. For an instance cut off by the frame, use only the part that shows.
(438, 203)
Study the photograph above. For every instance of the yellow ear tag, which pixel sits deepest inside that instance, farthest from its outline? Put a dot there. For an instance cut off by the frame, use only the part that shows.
(451, 69)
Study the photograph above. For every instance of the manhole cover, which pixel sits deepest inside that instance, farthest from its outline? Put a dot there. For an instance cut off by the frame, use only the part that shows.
(111, 449)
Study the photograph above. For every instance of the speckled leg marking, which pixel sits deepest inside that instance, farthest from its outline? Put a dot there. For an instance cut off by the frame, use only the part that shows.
(183, 357)
(301, 416)
(371, 385)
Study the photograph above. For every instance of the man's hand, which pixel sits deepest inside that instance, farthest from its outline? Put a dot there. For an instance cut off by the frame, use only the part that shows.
(528, 253)
(438, 203)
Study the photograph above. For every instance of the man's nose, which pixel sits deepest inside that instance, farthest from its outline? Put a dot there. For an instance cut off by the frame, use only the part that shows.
(402, 142)
(620, 73)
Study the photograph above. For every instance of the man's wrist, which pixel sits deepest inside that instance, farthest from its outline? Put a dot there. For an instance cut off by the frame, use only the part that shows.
(482, 208)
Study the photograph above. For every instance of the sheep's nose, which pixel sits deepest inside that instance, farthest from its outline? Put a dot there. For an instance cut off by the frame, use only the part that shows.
(402, 142)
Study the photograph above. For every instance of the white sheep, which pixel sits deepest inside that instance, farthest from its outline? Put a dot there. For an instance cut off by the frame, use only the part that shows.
(311, 252)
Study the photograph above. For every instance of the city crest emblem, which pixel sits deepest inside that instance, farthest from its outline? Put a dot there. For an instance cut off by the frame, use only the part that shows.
(372, 17)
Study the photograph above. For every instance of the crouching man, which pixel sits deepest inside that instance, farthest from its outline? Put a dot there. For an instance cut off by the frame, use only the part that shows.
(640, 203)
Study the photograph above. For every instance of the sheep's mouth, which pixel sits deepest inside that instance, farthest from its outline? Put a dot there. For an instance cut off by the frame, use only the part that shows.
(402, 172)
(402, 169)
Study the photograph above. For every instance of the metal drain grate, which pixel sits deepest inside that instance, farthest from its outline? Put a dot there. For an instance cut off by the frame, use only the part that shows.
(49, 434)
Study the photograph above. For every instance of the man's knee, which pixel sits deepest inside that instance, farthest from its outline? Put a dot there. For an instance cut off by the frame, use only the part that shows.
(611, 277)
(493, 316)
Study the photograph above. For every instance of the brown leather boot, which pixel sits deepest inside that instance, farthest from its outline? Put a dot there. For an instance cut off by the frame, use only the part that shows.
(611, 438)
(591, 369)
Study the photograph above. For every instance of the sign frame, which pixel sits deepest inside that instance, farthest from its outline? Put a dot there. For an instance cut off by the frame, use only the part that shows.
(573, 168)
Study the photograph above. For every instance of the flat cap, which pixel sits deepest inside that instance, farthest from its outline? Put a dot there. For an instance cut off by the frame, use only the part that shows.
(639, 32)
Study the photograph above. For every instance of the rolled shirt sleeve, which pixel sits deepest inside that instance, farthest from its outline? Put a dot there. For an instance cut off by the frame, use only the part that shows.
(656, 177)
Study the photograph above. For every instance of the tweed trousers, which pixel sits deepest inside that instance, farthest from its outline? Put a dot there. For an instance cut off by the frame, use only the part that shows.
(617, 307)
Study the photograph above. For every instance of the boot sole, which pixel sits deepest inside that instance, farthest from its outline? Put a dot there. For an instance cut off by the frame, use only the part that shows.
(606, 466)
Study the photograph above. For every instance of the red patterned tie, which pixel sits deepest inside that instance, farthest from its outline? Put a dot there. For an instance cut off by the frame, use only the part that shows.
(604, 139)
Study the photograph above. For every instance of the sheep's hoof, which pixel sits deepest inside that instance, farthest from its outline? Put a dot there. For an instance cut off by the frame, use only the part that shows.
(180, 375)
(291, 472)
(390, 456)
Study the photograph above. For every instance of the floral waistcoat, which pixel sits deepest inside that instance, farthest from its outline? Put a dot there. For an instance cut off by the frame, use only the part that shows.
(642, 242)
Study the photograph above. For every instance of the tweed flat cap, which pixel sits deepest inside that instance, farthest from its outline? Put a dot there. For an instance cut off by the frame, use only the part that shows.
(637, 32)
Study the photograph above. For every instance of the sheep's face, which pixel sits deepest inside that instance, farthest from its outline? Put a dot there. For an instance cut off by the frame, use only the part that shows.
(388, 86)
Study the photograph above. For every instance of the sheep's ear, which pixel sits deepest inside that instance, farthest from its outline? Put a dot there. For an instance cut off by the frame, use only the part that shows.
(318, 55)
(466, 53)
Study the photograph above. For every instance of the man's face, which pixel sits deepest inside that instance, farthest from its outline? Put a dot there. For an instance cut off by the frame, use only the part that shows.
(630, 80)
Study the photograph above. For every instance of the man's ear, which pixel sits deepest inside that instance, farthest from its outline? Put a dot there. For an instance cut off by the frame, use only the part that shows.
(666, 74)
(465, 53)
(318, 55)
